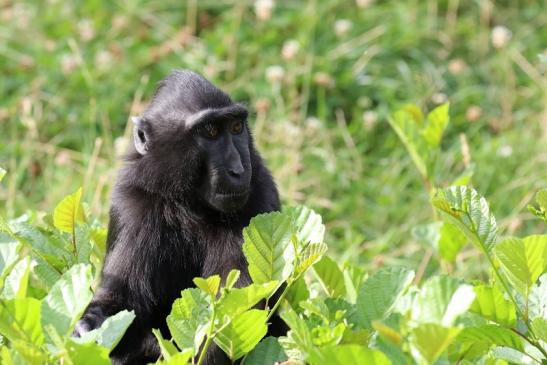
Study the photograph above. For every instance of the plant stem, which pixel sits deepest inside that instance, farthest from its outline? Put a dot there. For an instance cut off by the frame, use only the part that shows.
(274, 308)
(204, 349)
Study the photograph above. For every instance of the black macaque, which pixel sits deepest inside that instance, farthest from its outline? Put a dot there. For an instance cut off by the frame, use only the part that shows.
(190, 184)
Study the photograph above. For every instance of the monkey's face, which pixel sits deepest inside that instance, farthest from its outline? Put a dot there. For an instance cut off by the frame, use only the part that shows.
(226, 174)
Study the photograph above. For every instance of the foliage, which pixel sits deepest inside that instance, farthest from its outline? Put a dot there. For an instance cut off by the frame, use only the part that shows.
(337, 316)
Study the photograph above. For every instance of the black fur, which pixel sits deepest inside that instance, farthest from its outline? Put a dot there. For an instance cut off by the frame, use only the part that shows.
(162, 233)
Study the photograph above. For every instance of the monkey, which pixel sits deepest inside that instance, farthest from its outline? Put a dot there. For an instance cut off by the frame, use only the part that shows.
(191, 181)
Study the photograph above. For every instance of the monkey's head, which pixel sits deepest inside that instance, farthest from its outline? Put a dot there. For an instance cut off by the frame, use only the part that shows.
(193, 141)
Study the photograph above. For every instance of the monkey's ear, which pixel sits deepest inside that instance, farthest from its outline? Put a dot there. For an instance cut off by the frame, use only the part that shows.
(140, 135)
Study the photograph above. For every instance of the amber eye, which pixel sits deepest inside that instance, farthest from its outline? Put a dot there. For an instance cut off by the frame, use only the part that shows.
(237, 127)
(209, 130)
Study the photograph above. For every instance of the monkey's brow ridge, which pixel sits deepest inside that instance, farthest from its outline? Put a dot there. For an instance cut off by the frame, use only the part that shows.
(231, 112)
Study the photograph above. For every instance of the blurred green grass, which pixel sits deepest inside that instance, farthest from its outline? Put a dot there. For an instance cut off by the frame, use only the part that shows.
(321, 78)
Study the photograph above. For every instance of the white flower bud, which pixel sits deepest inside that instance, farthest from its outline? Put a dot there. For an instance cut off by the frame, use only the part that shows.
(500, 36)
(275, 74)
(290, 49)
(342, 27)
(263, 9)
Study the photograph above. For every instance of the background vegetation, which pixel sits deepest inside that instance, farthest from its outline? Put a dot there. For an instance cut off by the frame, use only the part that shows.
(322, 78)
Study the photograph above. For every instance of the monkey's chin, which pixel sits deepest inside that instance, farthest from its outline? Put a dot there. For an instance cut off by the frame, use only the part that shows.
(231, 202)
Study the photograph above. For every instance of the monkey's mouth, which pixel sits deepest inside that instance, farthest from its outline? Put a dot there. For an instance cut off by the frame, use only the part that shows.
(230, 201)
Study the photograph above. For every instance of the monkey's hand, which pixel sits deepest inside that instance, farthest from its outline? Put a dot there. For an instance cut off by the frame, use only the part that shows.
(92, 319)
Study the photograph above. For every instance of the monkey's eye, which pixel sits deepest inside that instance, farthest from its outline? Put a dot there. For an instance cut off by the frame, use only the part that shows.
(237, 127)
(209, 130)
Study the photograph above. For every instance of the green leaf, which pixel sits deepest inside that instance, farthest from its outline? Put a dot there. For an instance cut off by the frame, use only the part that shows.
(45, 273)
(67, 300)
(330, 277)
(297, 292)
(168, 349)
(523, 261)
(541, 201)
(20, 320)
(189, 319)
(348, 354)
(209, 285)
(467, 210)
(180, 358)
(307, 225)
(309, 256)
(441, 300)
(539, 326)
(2, 173)
(243, 333)
(237, 300)
(9, 249)
(87, 354)
(267, 352)
(16, 283)
(69, 212)
(353, 277)
(537, 305)
(267, 247)
(232, 278)
(298, 342)
(491, 304)
(437, 120)
(43, 245)
(431, 340)
(512, 356)
(451, 242)
(407, 123)
(111, 331)
(491, 335)
(379, 294)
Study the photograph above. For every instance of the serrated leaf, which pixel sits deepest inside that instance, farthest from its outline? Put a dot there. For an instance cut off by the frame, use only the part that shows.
(87, 354)
(491, 304)
(267, 352)
(111, 331)
(330, 277)
(523, 261)
(20, 320)
(537, 301)
(209, 285)
(491, 335)
(69, 212)
(379, 294)
(243, 333)
(405, 125)
(16, 283)
(237, 300)
(451, 241)
(539, 326)
(167, 348)
(232, 278)
(437, 120)
(45, 273)
(67, 299)
(353, 277)
(309, 256)
(189, 319)
(441, 300)
(512, 356)
(297, 292)
(180, 358)
(268, 248)
(45, 246)
(9, 249)
(468, 211)
(307, 225)
(431, 340)
(298, 342)
(348, 354)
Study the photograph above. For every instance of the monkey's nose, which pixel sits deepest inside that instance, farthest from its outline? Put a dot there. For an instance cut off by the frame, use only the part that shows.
(236, 172)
